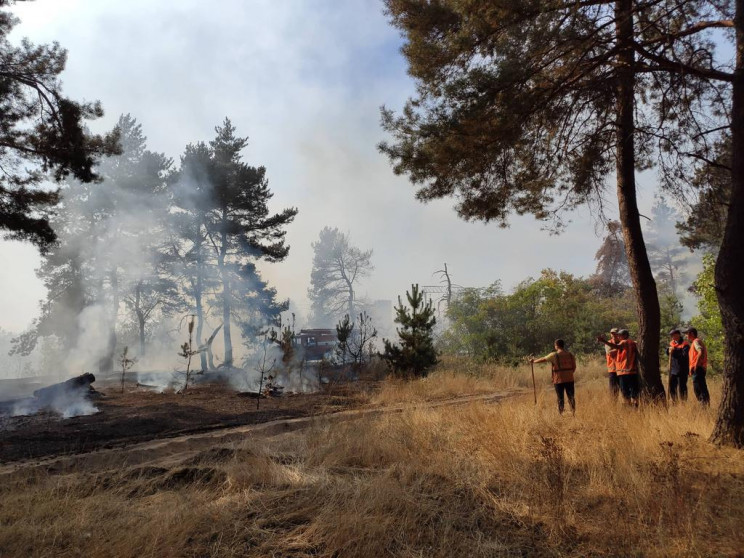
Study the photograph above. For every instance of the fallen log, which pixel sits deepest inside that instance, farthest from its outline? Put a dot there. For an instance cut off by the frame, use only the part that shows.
(74, 387)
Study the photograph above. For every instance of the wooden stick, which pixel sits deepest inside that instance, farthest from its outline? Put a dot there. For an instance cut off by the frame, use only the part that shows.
(534, 388)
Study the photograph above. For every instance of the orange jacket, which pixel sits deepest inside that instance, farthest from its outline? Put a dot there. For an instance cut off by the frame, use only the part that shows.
(627, 357)
(611, 355)
(698, 355)
(564, 366)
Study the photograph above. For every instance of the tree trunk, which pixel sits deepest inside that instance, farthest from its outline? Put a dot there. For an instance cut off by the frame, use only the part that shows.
(226, 331)
(198, 298)
(140, 317)
(729, 272)
(350, 303)
(647, 298)
(226, 320)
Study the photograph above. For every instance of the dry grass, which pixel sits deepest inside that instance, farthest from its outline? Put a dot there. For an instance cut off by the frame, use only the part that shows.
(476, 480)
(456, 376)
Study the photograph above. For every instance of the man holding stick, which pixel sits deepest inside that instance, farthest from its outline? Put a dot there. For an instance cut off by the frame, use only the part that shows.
(563, 365)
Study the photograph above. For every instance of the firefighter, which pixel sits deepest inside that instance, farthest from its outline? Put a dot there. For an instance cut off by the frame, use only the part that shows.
(679, 364)
(626, 363)
(563, 365)
(611, 355)
(698, 366)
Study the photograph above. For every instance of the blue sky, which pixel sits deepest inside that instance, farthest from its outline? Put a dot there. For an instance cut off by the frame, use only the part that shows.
(304, 80)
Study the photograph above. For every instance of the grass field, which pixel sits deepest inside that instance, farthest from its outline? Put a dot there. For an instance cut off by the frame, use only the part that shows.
(480, 479)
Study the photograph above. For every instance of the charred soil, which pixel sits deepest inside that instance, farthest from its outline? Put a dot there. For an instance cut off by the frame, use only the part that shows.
(139, 415)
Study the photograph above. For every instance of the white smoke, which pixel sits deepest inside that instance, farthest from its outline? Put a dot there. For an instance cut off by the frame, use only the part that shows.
(92, 343)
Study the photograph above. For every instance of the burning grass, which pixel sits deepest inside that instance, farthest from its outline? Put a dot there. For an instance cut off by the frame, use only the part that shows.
(472, 480)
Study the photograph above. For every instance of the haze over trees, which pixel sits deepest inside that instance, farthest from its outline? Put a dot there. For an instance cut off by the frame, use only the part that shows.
(338, 267)
(42, 135)
(106, 250)
(612, 275)
(148, 244)
(668, 257)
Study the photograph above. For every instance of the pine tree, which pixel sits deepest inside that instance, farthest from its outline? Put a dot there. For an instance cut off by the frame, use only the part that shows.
(41, 133)
(528, 106)
(337, 268)
(344, 329)
(225, 224)
(415, 353)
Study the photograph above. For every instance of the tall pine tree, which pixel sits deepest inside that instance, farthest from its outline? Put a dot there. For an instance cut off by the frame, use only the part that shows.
(226, 226)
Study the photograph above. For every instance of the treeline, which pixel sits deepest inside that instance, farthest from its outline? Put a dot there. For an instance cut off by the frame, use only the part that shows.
(154, 241)
(490, 324)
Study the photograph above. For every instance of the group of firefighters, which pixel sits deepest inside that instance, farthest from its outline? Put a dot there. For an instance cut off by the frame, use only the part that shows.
(687, 357)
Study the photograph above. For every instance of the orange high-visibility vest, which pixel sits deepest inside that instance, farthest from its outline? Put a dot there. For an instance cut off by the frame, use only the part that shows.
(611, 355)
(698, 358)
(673, 345)
(563, 367)
(627, 357)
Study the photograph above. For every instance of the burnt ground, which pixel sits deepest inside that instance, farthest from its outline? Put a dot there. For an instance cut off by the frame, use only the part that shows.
(140, 415)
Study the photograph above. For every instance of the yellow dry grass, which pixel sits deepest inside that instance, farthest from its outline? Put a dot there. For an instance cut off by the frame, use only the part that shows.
(480, 479)
(457, 376)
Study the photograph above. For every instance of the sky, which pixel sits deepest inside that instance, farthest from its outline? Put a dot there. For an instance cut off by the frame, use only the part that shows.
(304, 80)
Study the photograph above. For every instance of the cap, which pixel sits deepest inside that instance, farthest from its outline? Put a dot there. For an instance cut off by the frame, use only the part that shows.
(624, 332)
(673, 331)
(614, 330)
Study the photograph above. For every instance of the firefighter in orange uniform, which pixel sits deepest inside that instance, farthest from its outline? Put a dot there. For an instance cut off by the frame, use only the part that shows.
(611, 355)
(698, 366)
(563, 365)
(679, 365)
(626, 363)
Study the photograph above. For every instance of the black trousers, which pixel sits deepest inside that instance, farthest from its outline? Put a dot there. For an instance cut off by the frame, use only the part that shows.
(700, 386)
(629, 387)
(678, 383)
(568, 389)
(614, 383)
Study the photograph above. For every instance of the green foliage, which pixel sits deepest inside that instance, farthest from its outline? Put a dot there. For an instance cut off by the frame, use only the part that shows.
(708, 321)
(343, 333)
(671, 309)
(490, 325)
(415, 354)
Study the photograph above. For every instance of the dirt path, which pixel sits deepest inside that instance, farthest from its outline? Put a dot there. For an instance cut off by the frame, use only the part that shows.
(166, 451)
